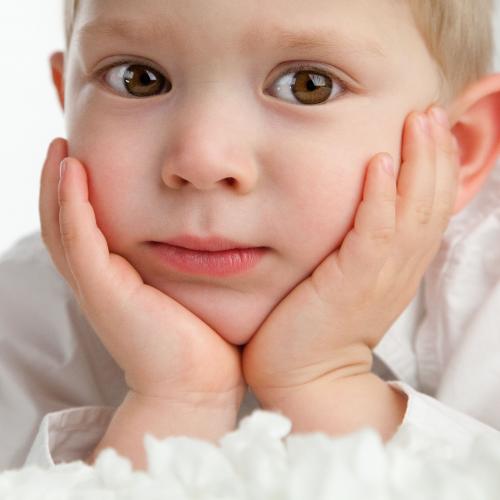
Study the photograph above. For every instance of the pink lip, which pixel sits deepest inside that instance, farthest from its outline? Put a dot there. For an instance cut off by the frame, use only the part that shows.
(212, 244)
(210, 256)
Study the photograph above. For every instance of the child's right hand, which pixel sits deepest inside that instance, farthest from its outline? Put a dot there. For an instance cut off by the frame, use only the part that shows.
(166, 351)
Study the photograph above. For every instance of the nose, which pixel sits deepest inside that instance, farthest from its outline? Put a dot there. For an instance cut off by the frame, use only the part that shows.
(210, 151)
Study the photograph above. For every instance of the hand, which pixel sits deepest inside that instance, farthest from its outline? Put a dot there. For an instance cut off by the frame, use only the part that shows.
(165, 351)
(331, 321)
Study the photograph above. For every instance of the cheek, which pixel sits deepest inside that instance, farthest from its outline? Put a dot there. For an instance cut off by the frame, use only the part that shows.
(119, 156)
(324, 181)
(325, 202)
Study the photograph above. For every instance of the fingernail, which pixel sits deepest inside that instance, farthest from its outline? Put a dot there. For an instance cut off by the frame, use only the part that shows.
(441, 116)
(423, 121)
(51, 146)
(388, 165)
(62, 169)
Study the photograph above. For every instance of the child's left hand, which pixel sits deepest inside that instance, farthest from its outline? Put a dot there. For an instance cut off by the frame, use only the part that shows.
(329, 324)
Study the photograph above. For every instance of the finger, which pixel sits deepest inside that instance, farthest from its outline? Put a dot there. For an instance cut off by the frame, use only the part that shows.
(368, 245)
(49, 206)
(447, 168)
(85, 247)
(417, 177)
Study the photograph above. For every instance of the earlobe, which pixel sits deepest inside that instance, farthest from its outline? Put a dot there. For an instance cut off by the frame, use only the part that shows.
(475, 118)
(57, 69)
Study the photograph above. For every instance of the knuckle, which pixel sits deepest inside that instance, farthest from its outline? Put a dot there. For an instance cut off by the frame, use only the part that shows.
(447, 148)
(388, 199)
(69, 234)
(447, 145)
(444, 217)
(317, 284)
(383, 234)
(444, 207)
(423, 211)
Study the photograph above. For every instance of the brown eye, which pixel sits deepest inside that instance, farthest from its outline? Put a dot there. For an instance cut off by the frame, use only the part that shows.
(137, 80)
(310, 88)
(307, 87)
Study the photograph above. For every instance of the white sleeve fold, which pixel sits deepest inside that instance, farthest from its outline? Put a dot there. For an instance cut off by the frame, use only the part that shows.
(439, 421)
(72, 434)
(69, 435)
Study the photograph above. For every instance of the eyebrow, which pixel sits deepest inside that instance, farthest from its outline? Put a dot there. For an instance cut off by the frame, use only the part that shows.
(279, 37)
(284, 38)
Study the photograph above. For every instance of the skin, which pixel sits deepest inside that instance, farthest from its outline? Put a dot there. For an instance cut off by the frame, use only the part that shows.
(376, 240)
(292, 163)
(317, 341)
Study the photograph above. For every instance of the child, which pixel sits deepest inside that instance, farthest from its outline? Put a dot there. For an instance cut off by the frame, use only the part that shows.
(248, 229)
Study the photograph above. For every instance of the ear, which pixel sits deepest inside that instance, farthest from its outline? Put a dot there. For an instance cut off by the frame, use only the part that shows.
(57, 69)
(475, 119)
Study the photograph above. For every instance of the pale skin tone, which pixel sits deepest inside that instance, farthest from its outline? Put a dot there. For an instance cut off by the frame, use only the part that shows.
(148, 169)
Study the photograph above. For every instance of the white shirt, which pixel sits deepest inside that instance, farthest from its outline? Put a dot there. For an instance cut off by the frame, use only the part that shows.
(59, 386)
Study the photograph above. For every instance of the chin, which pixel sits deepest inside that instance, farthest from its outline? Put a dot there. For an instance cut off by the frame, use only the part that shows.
(236, 323)
(234, 315)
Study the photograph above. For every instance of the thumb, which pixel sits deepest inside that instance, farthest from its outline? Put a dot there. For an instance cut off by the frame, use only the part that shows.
(85, 247)
(49, 206)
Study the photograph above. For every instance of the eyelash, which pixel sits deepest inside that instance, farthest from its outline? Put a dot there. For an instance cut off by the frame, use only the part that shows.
(336, 80)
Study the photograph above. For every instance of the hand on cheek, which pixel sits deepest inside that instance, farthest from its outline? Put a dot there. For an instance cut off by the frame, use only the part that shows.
(164, 349)
(329, 324)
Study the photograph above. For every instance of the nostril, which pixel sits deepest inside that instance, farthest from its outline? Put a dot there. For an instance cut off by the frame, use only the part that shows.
(176, 182)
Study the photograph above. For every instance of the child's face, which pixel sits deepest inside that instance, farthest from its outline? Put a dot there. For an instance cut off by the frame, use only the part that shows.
(297, 167)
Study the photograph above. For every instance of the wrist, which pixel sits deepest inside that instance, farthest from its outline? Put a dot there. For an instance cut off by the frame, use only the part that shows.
(197, 416)
(189, 400)
(272, 378)
(340, 405)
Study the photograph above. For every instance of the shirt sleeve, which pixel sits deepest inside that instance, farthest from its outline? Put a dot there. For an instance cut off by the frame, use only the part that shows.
(438, 421)
(69, 435)
(72, 434)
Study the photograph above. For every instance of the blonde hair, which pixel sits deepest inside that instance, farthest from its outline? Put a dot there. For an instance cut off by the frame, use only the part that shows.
(70, 8)
(458, 35)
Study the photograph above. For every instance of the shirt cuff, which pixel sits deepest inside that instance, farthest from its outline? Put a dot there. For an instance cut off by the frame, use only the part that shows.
(438, 421)
(69, 435)
(72, 434)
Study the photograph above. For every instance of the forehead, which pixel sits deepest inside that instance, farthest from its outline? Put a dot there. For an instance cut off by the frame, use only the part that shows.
(363, 27)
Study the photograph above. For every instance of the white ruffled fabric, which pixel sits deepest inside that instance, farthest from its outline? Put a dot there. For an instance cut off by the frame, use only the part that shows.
(262, 461)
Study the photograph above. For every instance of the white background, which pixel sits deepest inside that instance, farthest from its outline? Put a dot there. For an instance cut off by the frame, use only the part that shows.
(29, 31)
